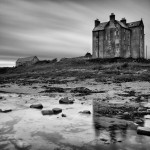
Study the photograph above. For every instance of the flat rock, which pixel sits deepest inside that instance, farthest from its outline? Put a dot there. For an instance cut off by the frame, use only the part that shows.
(37, 106)
(143, 131)
(139, 121)
(5, 110)
(57, 110)
(66, 100)
(47, 112)
(81, 90)
(85, 112)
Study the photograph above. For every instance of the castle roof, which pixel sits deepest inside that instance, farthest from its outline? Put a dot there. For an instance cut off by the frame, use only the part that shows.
(26, 59)
(134, 24)
(102, 25)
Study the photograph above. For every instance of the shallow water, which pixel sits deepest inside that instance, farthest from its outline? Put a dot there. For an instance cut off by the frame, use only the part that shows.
(76, 131)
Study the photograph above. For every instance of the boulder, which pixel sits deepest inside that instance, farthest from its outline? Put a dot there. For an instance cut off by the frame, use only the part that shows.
(5, 110)
(63, 115)
(126, 115)
(85, 112)
(57, 110)
(47, 112)
(143, 131)
(66, 100)
(37, 106)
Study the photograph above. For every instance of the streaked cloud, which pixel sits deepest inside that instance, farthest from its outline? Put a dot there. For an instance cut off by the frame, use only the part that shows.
(59, 28)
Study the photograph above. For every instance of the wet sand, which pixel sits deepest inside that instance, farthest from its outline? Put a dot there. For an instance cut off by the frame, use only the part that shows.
(26, 128)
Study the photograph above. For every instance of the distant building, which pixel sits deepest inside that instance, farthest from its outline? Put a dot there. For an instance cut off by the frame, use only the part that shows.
(118, 39)
(88, 55)
(27, 61)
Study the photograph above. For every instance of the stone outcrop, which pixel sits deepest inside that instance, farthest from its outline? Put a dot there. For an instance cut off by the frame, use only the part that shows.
(37, 106)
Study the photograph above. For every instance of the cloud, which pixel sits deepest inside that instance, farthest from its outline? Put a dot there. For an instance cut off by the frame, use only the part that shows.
(59, 28)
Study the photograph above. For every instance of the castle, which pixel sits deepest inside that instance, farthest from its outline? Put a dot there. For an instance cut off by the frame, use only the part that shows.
(118, 39)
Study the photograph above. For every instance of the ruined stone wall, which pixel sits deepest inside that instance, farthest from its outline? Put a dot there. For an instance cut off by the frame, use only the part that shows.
(125, 43)
(101, 44)
(141, 30)
(109, 43)
(95, 44)
(117, 40)
(135, 42)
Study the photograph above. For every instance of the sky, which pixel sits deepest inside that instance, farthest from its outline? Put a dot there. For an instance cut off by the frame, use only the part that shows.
(60, 28)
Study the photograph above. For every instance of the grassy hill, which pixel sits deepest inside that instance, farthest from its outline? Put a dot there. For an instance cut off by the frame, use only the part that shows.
(101, 70)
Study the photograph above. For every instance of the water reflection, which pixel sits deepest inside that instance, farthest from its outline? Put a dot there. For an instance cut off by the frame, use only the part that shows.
(112, 127)
(120, 135)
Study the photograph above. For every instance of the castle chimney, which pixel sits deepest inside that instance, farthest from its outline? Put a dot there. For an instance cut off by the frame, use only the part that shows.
(123, 20)
(97, 22)
(112, 17)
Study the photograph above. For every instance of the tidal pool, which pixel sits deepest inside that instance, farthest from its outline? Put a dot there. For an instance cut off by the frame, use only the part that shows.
(74, 132)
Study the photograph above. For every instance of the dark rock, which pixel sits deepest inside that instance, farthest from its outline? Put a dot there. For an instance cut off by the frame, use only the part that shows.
(119, 140)
(85, 112)
(142, 109)
(81, 90)
(139, 121)
(143, 131)
(5, 110)
(63, 115)
(141, 113)
(66, 100)
(47, 112)
(107, 142)
(57, 110)
(37, 106)
(126, 115)
(54, 90)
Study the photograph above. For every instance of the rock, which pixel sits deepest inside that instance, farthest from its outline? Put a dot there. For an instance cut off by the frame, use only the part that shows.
(57, 110)
(142, 98)
(139, 121)
(81, 90)
(141, 113)
(37, 106)
(142, 109)
(47, 112)
(103, 139)
(119, 140)
(126, 115)
(143, 131)
(85, 112)
(19, 95)
(5, 110)
(107, 142)
(66, 100)
(63, 115)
